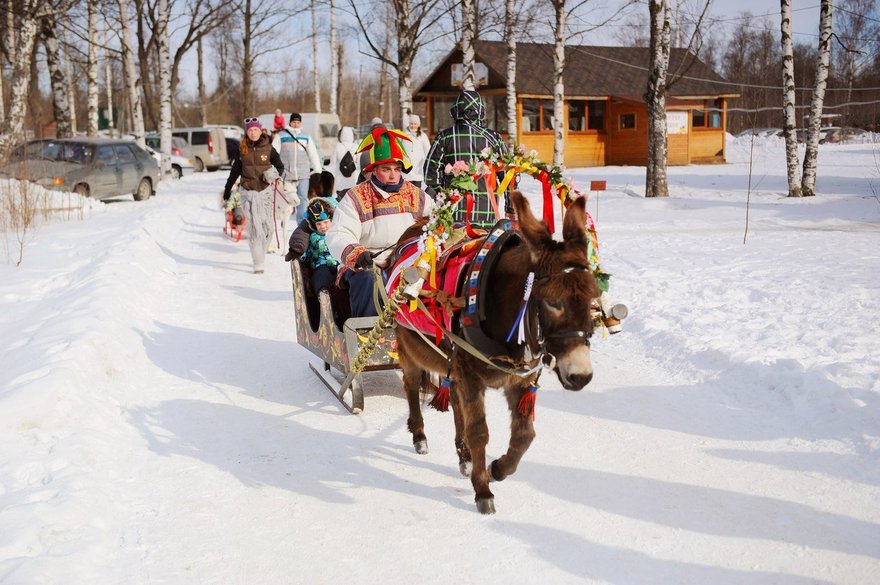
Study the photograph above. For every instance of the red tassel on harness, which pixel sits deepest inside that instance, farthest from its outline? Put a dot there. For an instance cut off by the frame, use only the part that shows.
(526, 404)
(441, 398)
(544, 177)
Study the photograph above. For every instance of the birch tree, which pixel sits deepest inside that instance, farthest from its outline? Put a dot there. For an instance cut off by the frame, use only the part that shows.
(334, 61)
(164, 88)
(656, 184)
(92, 68)
(510, 31)
(468, 35)
(25, 22)
(559, 32)
(132, 75)
(316, 71)
(203, 94)
(811, 154)
(789, 123)
(413, 19)
(71, 85)
(57, 78)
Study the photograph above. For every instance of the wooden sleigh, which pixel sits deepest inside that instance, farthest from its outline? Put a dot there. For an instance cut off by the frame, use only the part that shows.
(324, 328)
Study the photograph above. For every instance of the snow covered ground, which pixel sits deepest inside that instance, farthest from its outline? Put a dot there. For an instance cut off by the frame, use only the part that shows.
(159, 424)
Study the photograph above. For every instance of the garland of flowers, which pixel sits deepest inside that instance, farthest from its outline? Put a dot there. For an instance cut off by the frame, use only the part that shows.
(463, 177)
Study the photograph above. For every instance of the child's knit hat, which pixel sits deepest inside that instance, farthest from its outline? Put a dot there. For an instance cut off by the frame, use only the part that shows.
(317, 210)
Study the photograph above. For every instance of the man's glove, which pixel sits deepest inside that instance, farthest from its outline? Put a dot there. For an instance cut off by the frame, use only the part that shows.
(226, 196)
(364, 260)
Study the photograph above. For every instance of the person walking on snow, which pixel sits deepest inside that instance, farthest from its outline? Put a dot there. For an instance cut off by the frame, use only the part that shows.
(300, 158)
(417, 149)
(344, 161)
(259, 166)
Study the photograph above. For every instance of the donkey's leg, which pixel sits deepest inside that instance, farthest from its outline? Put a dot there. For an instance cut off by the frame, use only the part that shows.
(469, 395)
(464, 454)
(413, 378)
(522, 432)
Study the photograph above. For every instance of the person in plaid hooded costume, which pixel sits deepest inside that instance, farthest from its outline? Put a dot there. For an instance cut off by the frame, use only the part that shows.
(372, 216)
(465, 140)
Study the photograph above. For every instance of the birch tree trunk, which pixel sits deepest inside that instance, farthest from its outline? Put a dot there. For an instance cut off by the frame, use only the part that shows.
(60, 97)
(811, 155)
(247, 70)
(71, 85)
(559, 84)
(92, 68)
(12, 35)
(510, 18)
(789, 114)
(656, 184)
(164, 89)
(108, 79)
(334, 62)
(132, 76)
(316, 73)
(203, 94)
(20, 84)
(468, 34)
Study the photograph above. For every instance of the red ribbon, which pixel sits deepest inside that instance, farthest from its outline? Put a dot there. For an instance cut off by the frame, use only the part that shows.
(467, 218)
(548, 201)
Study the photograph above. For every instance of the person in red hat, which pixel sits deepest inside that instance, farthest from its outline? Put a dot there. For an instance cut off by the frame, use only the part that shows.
(372, 216)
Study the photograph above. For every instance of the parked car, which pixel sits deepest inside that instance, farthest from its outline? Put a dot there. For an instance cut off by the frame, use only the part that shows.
(230, 131)
(207, 146)
(760, 132)
(180, 166)
(835, 134)
(93, 167)
(179, 146)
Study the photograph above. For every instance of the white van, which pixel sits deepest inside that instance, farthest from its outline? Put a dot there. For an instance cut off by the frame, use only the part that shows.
(322, 127)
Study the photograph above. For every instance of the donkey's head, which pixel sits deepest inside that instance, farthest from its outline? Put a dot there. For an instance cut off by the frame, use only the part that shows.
(563, 290)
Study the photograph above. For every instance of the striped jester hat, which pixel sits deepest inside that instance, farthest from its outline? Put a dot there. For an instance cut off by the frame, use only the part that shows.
(385, 145)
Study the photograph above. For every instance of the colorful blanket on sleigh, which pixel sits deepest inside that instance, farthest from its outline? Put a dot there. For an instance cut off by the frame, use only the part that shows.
(441, 290)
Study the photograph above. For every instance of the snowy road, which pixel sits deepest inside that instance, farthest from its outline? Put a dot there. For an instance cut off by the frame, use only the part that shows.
(159, 424)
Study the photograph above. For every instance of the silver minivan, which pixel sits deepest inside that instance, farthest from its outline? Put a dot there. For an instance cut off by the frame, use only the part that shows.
(207, 147)
(92, 167)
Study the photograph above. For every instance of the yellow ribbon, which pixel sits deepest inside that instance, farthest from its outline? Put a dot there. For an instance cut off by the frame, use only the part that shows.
(508, 177)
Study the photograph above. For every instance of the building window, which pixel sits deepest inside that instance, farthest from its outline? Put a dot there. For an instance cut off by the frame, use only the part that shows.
(627, 121)
(709, 116)
(596, 115)
(586, 115)
(537, 115)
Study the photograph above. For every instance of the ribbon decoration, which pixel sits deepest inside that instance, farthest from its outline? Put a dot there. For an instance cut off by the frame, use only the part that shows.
(469, 198)
(491, 184)
(544, 177)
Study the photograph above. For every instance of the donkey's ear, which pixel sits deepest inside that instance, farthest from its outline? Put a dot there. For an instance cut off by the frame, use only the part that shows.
(574, 226)
(534, 232)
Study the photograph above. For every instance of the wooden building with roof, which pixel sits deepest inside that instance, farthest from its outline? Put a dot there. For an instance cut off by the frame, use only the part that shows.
(605, 113)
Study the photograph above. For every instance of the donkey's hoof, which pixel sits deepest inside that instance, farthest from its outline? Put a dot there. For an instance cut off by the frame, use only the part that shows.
(421, 446)
(486, 506)
(465, 468)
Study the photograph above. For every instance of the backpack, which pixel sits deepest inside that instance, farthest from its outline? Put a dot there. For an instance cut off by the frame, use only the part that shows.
(346, 165)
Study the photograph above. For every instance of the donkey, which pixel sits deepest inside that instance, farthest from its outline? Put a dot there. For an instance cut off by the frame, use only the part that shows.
(559, 326)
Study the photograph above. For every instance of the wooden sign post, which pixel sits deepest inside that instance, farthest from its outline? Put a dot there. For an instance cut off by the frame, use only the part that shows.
(597, 186)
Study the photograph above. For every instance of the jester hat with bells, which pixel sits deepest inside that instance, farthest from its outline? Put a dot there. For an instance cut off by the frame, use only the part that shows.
(385, 145)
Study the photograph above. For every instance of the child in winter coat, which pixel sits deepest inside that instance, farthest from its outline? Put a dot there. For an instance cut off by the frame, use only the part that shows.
(278, 122)
(319, 215)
